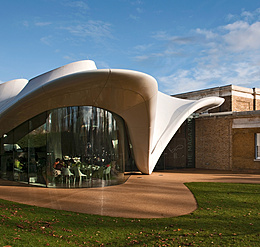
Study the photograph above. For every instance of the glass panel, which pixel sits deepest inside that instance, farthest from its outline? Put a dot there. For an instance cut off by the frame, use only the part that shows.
(85, 140)
(37, 150)
(31, 138)
(7, 159)
(54, 152)
(67, 147)
(21, 152)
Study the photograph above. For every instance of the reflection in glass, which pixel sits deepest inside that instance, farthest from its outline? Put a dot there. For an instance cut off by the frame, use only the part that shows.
(79, 146)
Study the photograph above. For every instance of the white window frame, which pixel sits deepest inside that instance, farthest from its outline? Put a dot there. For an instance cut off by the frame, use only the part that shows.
(257, 146)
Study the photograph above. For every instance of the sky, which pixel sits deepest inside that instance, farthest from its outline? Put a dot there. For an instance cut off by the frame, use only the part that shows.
(185, 45)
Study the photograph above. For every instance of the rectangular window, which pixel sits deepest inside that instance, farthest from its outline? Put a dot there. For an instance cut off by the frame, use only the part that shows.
(257, 146)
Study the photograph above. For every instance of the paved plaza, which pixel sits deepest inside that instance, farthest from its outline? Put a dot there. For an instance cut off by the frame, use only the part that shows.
(161, 194)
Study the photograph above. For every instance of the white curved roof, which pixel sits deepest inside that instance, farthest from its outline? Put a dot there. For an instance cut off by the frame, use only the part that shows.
(152, 117)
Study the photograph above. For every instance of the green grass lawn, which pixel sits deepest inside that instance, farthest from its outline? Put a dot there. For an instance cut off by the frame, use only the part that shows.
(227, 215)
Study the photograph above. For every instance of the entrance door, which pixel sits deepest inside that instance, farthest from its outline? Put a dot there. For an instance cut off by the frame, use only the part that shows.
(175, 154)
(180, 152)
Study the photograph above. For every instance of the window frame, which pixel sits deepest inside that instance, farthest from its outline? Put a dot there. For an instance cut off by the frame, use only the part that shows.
(257, 147)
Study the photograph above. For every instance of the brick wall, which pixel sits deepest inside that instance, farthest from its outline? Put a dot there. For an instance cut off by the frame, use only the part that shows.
(236, 98)
(257, 104)
(243, 141)
(226, 142)
(213, 147)
(236, 103)
(242, 103)
(224, 146)
(225, 107)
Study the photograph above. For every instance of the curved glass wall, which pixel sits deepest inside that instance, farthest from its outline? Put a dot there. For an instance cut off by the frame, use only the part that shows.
(80, 146)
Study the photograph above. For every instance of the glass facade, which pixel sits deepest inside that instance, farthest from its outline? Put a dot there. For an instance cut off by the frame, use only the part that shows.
(79, 146)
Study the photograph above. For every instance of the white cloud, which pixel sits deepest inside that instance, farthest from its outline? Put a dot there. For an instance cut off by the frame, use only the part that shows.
(78, 4)
(137, 2)
(36, 23)
(139, 10)
(26, 23)
(247, 15)
(203, 58)
(164, 54)
(181, 81)
(142, 57)
(230, 17)
(240, 73)
(250, 16)
(244, 16)
(244, 74)
(238, 25)
(161, 35)
(207, 33)
(42, 24)
(142, 48)
(68, 57)
(103, 64)
(134, 17)
(46, 40)
(93, 29)
(242, 36)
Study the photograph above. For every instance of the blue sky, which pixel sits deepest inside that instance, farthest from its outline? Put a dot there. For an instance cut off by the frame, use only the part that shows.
(186, 45)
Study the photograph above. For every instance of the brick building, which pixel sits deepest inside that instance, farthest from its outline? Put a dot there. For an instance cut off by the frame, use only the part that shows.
(225, 138)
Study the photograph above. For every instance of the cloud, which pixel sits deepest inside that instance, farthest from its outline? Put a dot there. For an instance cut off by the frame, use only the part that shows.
(143, 57)
(247, 15)
(182, 40)
(181, 81)
(230, 17)
(240, 73)
(46, 40)
(242, 37)
(137, 2)
(42, 24)
(78, 4)
(134, 17)
(207, 33)
(142, 47)
(93, 29)
(179, 40)
(69, 57)
(164, 54)
(146, 57)
(161, 35)
(244, 74)
(26, 23)
(139, 10)
(202, 58)
(32, 24)
(238, 25)
(103, 64)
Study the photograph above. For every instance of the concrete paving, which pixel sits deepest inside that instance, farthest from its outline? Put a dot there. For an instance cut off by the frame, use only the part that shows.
(161, 194)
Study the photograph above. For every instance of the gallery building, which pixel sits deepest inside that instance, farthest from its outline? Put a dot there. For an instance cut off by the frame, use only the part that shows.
(223, 138)
(78, 123)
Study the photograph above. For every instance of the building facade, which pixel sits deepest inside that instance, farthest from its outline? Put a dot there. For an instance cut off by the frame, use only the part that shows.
(77, 123)
(226, 137)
